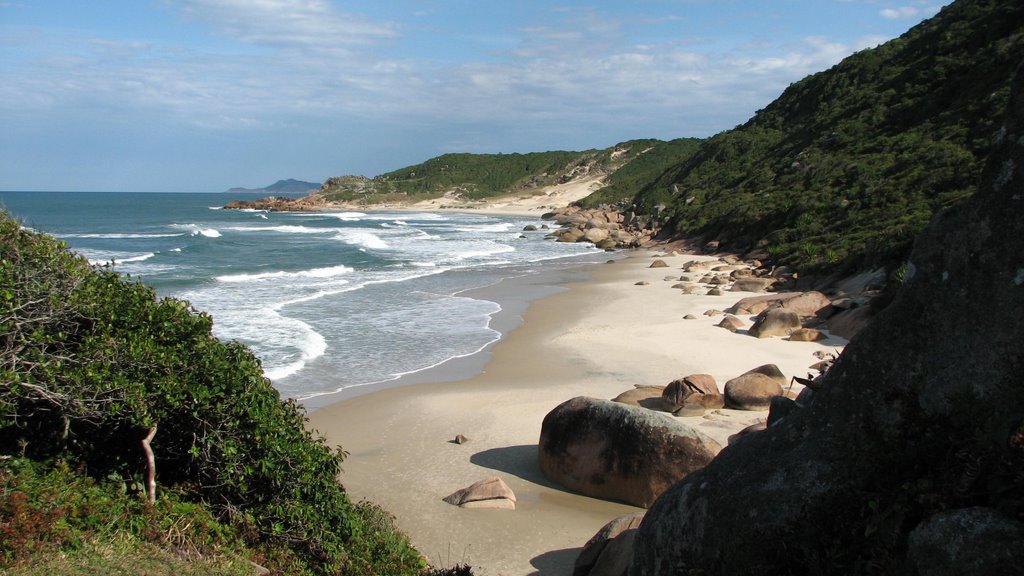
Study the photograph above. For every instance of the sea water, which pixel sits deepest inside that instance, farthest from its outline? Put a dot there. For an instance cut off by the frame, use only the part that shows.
(328, 300)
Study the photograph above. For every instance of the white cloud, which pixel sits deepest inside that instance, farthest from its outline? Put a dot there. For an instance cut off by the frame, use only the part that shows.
(298, 23)
(900, 13)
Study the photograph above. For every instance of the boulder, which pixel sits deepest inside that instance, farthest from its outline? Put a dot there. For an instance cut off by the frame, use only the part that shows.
(595, 235)
(643, 396)
(804, 304)
(693, 389)
(689, 411)
(848, 323)
(487, 493)
(731, 323)
(752, 305)
(806, 335)
(755, 389)
(570, 235)
(658, 264)
(610, 450)
(529, 228)
(935, 374)
(759, 426)
(608, 551)
(752, 284)
(775, 322)
(807, 303)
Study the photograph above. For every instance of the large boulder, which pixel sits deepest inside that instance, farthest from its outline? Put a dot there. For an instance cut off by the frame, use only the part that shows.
(920, 414)
(775, 322)
(848, 323)
(610, 450)
(693, 389)
(755, 389)
(804, 304)
(752, 284)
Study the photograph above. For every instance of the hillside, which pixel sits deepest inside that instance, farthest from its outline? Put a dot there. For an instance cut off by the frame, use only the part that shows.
(847, 165)
(482, 176)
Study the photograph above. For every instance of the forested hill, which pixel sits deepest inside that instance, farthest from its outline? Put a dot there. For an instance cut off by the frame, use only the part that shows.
(479, 176)
(847, 165)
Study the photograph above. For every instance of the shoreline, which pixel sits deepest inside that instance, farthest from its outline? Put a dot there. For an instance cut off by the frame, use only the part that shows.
(598, 337)
(513, 294)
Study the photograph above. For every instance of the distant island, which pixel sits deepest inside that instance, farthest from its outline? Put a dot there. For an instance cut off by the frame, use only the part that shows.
(289, 186)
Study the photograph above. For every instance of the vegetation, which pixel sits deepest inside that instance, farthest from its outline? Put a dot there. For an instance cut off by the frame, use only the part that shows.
(628, 165)
(471, 176)
(649, 162)
(93, 364)
(846, 166)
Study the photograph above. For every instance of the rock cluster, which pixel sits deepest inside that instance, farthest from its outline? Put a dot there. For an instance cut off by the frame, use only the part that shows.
(310, 203)
(604, 228)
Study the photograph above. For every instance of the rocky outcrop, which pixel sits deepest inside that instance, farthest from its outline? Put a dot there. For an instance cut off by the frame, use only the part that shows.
(919, 415)
(604, 228)
(487, 493)
(610, 450)
(311, 203)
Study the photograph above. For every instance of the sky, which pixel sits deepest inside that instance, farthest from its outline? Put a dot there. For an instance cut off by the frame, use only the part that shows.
(204, 95)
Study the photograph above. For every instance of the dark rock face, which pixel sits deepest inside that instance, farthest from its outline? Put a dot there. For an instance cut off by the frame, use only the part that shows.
(967, 542)
(923, 412)
(610, 450)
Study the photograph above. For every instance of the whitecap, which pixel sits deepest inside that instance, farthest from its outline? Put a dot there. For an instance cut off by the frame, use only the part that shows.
(284, 229)
(346, 216)
(363, 239)
(328, 272)
(118, 236)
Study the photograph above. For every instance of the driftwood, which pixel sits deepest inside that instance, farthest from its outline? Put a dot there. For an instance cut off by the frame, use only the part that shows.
(150, 467)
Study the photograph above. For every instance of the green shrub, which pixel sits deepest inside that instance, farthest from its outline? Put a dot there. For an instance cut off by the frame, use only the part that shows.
(94, 362)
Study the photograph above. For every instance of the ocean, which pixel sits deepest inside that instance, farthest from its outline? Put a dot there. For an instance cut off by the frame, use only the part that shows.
(328, 301)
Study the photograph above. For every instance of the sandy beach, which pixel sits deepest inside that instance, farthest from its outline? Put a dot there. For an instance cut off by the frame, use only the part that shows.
(599, 338)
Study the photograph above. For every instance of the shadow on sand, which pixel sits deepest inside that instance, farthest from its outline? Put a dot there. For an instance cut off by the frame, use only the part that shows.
(520, 461)
(555, 563)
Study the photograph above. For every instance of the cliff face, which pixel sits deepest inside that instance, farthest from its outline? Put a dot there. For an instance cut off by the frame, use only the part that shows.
(911, 458)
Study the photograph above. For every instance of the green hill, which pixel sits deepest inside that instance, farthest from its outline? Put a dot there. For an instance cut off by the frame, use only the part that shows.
(480, 176)
(847, 165)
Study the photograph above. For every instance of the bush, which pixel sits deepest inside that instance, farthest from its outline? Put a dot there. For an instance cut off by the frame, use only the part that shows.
(94, 362)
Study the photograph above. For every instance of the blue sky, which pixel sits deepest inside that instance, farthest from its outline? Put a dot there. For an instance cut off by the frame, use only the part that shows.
(203, 95)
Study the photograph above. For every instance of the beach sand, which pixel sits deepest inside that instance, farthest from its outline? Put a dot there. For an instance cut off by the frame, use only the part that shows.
(599, 338)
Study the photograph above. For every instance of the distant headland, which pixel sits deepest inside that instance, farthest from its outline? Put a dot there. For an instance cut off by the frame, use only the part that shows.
(289, 186)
